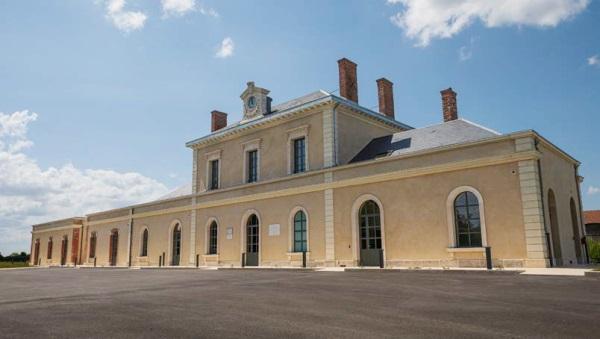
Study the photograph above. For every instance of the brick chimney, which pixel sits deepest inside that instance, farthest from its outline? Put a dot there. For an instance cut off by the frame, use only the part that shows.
(449, 106)
(348, 81)
(218, 120)
(385, 92)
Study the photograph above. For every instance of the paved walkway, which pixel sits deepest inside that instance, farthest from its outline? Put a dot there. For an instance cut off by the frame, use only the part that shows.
(170, 303)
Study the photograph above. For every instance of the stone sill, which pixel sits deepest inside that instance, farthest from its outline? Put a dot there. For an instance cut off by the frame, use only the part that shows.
(297, 253)
(465, 249)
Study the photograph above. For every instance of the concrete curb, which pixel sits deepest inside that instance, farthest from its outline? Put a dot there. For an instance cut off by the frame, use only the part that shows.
(456, 271)
(268, 269)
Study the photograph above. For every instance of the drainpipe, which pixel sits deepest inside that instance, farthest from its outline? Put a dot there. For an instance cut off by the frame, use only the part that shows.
(78, 261)
(539, 164)
(581, 225)
(130, 237)
(335, 135)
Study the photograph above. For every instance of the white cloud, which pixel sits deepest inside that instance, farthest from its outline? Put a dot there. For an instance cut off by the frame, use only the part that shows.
(594, 60)
(466, 52)
(125, 21)
(425, 20)
(226, 48)
(30, 194)
(593, 190)
(178, 7)
(182, 7)
(209, 12)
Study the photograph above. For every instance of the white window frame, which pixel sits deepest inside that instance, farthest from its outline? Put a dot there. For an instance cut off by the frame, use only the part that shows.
(248, 146)
(294, 134)
(452, 218)
(215, 155)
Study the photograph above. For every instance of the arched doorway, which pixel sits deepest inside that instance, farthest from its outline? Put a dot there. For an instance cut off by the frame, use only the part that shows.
(252, 240)
(555, 235)
(576, 236)
(63, 250)
(176, 255)
(113, 247)
(369, 224)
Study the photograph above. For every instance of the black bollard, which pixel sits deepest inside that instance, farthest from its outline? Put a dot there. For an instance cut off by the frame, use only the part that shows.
(488, 257)
(303, 258)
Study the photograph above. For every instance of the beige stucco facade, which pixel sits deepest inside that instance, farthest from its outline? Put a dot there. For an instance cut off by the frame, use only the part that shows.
(415, 193)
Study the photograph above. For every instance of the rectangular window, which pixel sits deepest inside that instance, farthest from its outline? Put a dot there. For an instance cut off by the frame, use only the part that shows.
(214, 174)
(299, 155)
(252, 166)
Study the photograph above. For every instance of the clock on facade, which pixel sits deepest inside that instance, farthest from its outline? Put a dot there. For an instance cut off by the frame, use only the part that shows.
(251, 102)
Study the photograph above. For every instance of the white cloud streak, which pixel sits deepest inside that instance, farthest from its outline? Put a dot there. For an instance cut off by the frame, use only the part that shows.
(177, 7)
(225, 50)
(593, 190)
(123, 20)
(30, 194)
(183, 7)
(424, 20)
(594, 60)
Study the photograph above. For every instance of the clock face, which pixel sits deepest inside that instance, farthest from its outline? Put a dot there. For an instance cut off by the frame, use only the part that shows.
(251, 102)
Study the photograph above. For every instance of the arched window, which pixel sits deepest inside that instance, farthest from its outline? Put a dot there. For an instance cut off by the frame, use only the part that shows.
(556, 245)
(49, 254)
(252, 234)
(93, 245)
(212, 238)
(144, 247)
(300, 232)
(176, 253)
(467, 220)
(370, 226)
(36, 252)
(575, 226)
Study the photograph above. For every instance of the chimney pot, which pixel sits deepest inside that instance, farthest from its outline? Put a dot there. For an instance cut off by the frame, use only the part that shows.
(218, 120)
(348, 81)
(449, 106)
(385, 92)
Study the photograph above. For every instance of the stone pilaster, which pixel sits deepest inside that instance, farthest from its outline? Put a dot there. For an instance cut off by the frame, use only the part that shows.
(533, 211)
(192, 259)
(329, 160)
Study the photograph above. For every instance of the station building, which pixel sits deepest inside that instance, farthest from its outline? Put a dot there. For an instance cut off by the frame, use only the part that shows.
(322, 181)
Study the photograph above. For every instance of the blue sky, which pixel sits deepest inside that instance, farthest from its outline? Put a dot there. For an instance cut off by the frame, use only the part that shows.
(99, 97)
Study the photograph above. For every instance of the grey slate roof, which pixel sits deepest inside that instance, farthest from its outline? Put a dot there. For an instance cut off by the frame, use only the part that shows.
(418, 139)
(299, 101)
(291, 105)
